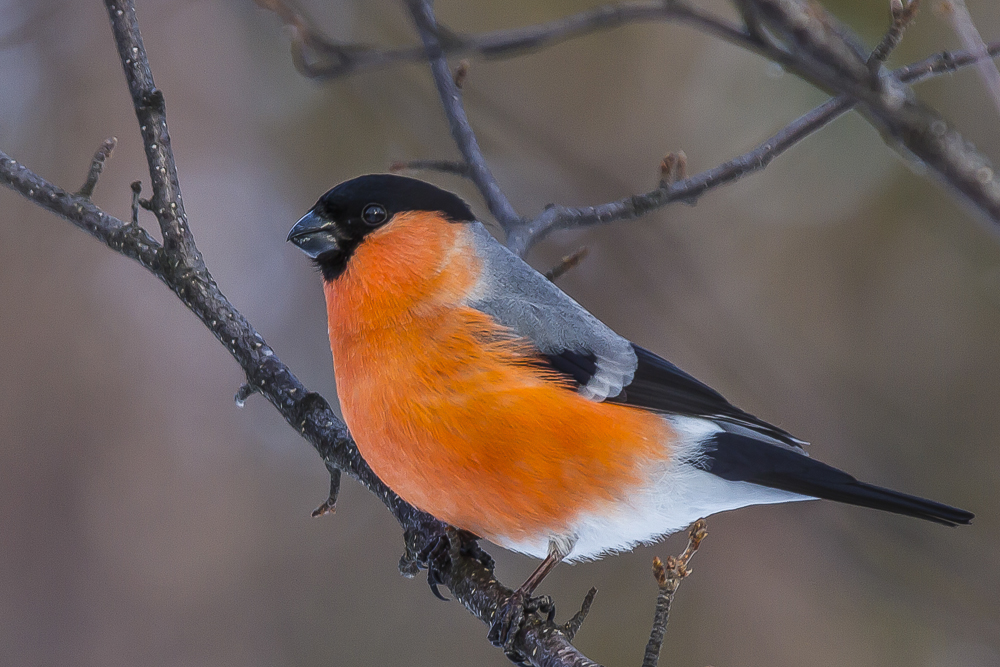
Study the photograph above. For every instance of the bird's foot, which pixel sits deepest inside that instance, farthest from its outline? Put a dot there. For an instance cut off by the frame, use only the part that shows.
(470, 547)
(443, 549)
(512, 616)
(437, 557)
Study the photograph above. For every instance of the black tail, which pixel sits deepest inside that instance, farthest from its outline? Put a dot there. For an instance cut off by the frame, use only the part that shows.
(740, 458)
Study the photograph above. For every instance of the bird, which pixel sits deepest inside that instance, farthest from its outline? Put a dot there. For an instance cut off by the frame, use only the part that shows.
(484, 395)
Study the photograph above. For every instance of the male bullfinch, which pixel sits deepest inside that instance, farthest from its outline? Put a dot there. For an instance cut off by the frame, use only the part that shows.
(484, 395)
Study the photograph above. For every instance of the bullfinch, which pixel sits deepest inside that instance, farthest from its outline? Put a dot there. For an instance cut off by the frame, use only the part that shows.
(484, 395)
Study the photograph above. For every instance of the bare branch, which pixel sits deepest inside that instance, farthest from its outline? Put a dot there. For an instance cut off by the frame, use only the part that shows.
(461, 131)
(821, 48)
(559, 217)
(943, 63)
(136, 187)
(752, 21)
(97, 166)
(329, 506)
(902, 16)
(461, 72)
(320, 57)
(150, 110)
(567, 263)
(573, 625)
(962, 21)
(668, 579)
(888, 104)
(831, 52)
(129, 240)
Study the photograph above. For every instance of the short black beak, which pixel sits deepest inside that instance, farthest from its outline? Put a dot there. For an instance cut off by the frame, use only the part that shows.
(313, 235)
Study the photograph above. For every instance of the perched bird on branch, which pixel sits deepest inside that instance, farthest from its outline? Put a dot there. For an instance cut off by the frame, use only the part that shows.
(484, 395)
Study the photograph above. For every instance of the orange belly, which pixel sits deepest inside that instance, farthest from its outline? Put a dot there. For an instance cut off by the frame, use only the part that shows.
(458, 419)
(485, 442)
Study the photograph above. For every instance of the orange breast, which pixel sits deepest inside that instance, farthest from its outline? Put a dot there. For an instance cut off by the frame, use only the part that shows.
(451, 412)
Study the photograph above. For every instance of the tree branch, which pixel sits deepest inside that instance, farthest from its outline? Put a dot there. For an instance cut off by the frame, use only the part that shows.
(668, 579)
(961, 19)
(101, 156)
(130, 240)
(150, 110)
(887, 103)
(461, 131)
(902, 16)
(455, 167)
(319, 57)
(558, 217)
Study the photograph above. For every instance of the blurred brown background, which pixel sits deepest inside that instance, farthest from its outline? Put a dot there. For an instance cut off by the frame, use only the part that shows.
(145, 520)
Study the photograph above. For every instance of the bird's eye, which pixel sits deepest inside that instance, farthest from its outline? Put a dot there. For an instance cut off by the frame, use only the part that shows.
(374, 214)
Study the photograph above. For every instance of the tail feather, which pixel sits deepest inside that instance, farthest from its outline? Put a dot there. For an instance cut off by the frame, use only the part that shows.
(741, 458)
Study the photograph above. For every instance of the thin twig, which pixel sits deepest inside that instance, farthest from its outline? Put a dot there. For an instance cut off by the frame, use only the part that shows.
(97, 166)
(136, 187)
(461, 131)
(524, 233)
(318, 56)
(943, 63)
(751, 19)
(558, 217)
(573, 625)
(567, 263)
(821, 48)
(973, 42)
(668, 580)
(129, 240)
(329, 506)
(461, 72)
(822, 51)
(902, 16)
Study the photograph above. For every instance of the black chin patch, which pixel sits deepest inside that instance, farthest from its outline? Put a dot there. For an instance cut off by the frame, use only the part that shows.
(333, 264)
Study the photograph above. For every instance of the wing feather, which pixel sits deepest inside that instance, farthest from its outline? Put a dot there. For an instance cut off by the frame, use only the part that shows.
(573, 341)
(602, 364)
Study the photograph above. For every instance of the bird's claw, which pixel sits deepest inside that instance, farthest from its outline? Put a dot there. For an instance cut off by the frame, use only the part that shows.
(470, 547)
(440, 553)
(510, 618)
(436, 557)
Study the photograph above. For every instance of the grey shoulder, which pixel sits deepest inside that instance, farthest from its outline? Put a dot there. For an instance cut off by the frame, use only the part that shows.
(525, 301)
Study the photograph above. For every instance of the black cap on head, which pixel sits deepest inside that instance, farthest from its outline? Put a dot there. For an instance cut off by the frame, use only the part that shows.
(343, 216)
(396, 193)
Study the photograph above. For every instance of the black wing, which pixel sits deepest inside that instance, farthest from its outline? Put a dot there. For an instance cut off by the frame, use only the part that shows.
(576, 366)
(659, 385)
